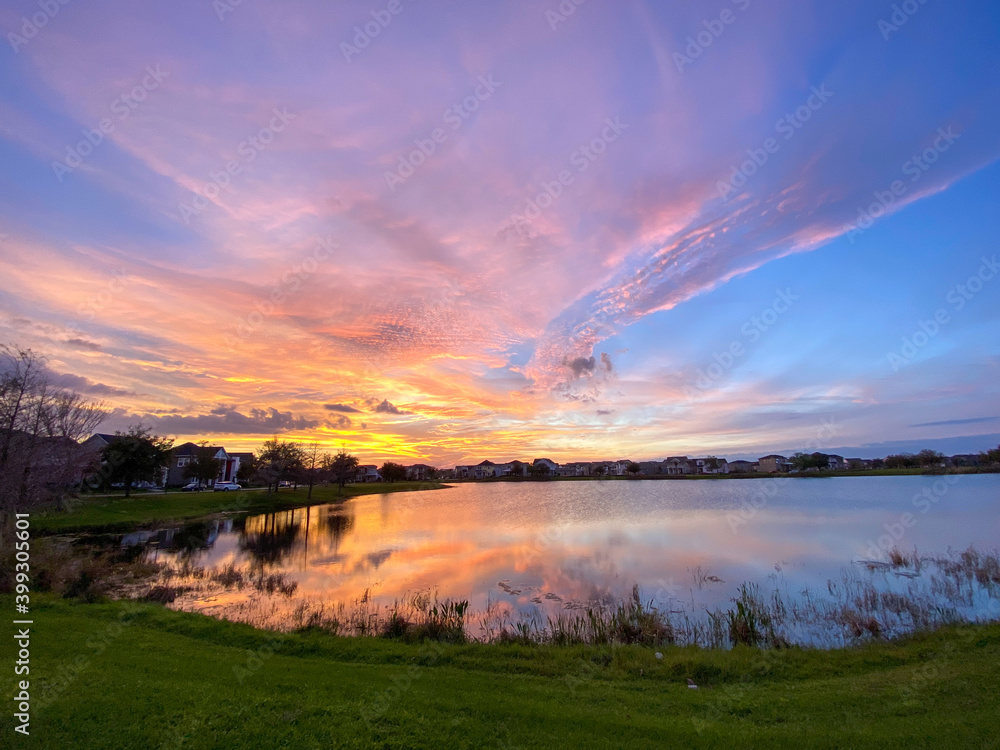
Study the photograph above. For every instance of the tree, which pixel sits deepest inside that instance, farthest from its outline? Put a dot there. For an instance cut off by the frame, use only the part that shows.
(598, 470)
(313, 466)
(929, 458)
(538, 471)
(204, 466)
(277, 460)
(803, 461)
(135, 456)
(342, 468)
(247, 470)
(633, 468)
(392, 472)
(901, 461)
(991, 456)
(516, 469)
(40, 431)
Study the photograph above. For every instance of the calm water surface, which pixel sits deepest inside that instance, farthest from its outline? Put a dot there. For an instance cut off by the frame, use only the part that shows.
(538, 547)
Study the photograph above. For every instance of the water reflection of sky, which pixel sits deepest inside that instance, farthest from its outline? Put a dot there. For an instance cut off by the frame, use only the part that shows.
(548, 545)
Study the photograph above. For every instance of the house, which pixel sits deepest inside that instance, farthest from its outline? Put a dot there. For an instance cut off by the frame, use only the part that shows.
(775, 464)
(182, 456)
(836, 463)
(368, 473)
(859, 464)
(420, 472)
(551, 465)
(965, 459)
(244, 459)
(677, 465)
(742, 467)
(484, 470)
(709, 465)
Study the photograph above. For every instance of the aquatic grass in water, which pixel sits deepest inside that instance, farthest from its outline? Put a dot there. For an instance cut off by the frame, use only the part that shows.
(871, 600)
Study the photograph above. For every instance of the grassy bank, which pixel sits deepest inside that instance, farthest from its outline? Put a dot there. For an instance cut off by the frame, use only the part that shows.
(119, 513)
(121, 675)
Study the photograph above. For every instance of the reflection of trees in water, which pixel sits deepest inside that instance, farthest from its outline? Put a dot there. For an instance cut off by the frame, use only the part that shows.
(194, 536)
(269, 539)
(335, 523)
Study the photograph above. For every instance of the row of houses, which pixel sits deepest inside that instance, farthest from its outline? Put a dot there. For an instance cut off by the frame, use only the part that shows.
(671, 466)
(676, 465)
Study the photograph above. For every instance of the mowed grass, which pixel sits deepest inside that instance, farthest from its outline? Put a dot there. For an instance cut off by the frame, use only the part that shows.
(119, 513)
(105, 676)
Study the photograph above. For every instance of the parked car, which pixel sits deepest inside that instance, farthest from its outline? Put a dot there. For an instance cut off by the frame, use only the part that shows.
(284, 483)
(226, 486)
(193, 487)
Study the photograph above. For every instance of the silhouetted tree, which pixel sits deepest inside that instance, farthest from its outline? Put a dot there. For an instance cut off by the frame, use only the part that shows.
(135, 456)
(277, 460)
(633, 468)
(204, 466)
(342, 468)
(392, 472)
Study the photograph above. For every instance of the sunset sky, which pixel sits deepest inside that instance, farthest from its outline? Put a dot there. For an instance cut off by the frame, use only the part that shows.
(507, 230)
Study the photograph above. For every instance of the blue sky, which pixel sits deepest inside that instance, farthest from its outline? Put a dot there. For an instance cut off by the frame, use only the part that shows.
(374, 242)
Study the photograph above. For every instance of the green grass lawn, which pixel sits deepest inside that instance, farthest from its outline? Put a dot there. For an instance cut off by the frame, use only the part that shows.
(105, 676)
(118, 513)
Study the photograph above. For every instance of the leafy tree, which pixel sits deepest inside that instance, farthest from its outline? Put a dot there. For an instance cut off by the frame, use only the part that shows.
(991, 456)
(516, 469)
(712, 463)
(929, 458)
(247, 470)
(803, 461)
(538, 471)
(204, 466)
(277, 460)
(341, 468)
(135, 456)
(392, 472)
(901, 461)
(598, 470)
(633, 468)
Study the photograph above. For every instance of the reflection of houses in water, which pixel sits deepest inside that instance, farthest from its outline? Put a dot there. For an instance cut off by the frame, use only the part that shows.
(192, 536)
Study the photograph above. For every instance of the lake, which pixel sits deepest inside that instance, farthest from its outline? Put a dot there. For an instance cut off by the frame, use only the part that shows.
(531, 549)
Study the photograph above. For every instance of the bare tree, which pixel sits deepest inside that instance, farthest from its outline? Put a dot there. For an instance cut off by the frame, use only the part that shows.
(40, 428)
